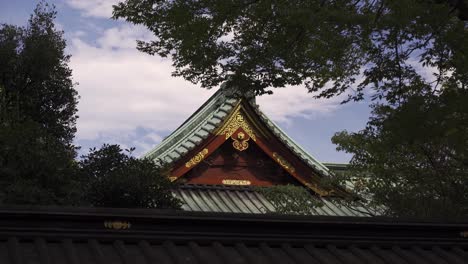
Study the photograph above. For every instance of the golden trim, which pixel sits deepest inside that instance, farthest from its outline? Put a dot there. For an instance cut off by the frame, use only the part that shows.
(236, 182)
(117, 225)
(286, 165)
(172, 178)
(316, 189)
(234, 122)
(240, 142)
(197, 158)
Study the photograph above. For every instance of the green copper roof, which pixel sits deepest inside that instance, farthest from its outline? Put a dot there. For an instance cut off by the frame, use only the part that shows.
(336, 166)
(210, 116)
(194, 130)
(244, 199)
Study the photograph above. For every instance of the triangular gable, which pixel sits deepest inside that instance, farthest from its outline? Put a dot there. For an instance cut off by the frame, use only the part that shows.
(237, 121)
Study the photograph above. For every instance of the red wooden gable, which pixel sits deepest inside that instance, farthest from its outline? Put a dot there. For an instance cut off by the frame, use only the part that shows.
(227, 165)
(243, 151)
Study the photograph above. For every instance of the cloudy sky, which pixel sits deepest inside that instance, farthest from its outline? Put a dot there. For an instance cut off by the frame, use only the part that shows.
(130, 98)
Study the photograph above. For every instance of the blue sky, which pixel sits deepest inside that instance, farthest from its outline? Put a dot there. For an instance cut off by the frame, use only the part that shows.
(131, 99)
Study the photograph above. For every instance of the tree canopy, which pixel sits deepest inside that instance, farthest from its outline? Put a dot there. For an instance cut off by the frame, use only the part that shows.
(37, 114)
(413, 159)
(35, 79)
(332, 47)
(410, 57)
(38, 106)
(116, 179)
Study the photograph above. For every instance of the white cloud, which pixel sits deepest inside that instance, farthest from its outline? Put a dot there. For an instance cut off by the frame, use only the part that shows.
(130, 98)
(94, 8)
(121, 88)
(295, 101)
(123, 37)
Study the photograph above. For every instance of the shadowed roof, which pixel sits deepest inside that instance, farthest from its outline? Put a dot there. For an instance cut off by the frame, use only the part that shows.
(100, 235)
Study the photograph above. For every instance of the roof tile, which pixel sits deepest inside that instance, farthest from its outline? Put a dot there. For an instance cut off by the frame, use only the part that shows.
(244, 199)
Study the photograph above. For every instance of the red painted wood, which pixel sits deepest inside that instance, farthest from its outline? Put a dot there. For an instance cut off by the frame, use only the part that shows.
(227, 163)
(264, 150)
(224, 162)
(211, 143)
(302, 172)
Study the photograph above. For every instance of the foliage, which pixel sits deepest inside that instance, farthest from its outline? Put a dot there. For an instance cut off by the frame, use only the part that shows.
(37, 114)
(37, 126)
(35, 167)
(34, 75)
(115, 179)
(330, 46)
(413, 158)
(290, 199)
(409, 56)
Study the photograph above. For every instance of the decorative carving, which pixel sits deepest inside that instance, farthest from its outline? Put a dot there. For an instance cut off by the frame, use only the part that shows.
(118, 225)
(286, 165)
(240, 142)
(316, 189)
(197, 158)
(236, 121)
(240, 136)
(236, 182)
(172, 178)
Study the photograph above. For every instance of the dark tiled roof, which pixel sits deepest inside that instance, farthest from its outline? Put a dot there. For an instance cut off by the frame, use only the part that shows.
(118, 251)
(87, 235)
(244, 199)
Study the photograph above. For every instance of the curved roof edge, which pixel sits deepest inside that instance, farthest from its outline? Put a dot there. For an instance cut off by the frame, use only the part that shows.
(193, 130)
(336, 166)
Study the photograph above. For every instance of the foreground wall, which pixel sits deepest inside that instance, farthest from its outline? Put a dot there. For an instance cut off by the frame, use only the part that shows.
(87, 235)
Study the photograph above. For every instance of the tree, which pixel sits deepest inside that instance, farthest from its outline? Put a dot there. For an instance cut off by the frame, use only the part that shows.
(408, 56)
(38, 105)
(290, 199)
(35, 167)
(37, 114)
(35, 77)
(330, 46)
(114, 179)
(413, 160)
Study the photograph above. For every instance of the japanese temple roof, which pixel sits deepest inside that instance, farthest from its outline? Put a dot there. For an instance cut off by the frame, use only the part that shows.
(100, 235)
(245, 199)
(211, 116)
(336, 166)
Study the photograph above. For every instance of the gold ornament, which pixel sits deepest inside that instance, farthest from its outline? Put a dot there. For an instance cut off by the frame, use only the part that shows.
(236, 182)
(197, 158)
(286, 165)
(317, 189)
(239, 142)
(236, 121)
(118, 225)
